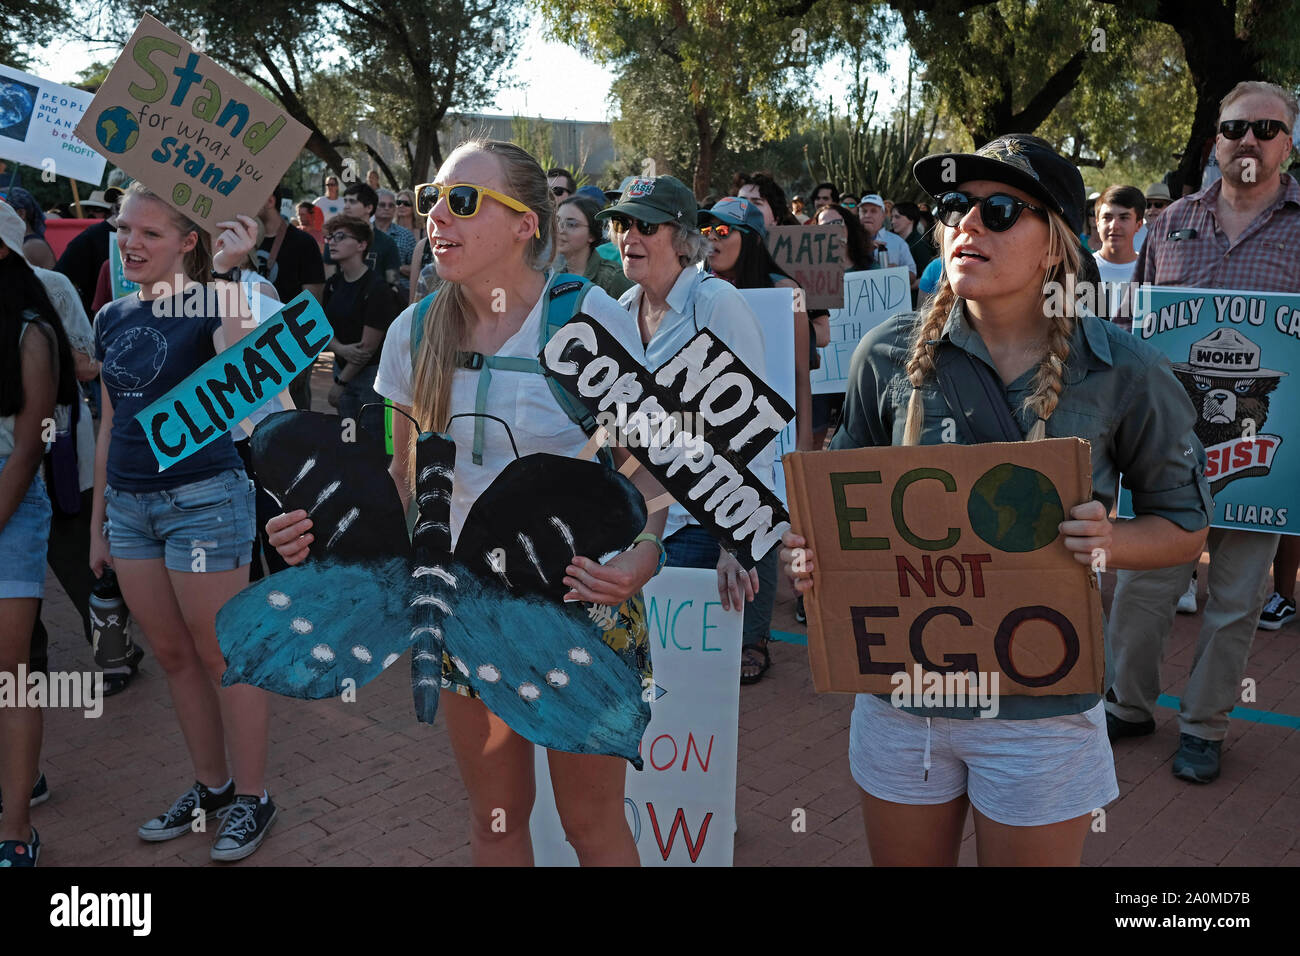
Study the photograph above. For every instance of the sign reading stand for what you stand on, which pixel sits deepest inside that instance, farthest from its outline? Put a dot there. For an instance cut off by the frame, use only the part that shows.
(207, 143)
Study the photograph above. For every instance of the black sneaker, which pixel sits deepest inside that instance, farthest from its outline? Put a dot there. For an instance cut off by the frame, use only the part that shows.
(1117, 729)
(1277, 611)
(1197, 759)
(245, 828)
(180, 818)
(18, 853)
(799, 614)
(40, 793)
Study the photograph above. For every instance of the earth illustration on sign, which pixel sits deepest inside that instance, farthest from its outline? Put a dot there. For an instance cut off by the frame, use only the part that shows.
(117, 129)
(15, 108)
(1015, 509)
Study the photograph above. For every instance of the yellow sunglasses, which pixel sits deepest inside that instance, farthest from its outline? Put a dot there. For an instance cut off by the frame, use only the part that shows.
(463, 200)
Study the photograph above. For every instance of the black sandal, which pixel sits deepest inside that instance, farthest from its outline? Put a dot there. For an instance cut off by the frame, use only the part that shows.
(116, 683)
(767, 662)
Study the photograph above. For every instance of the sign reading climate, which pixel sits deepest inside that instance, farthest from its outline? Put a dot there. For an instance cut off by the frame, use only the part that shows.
(1235, 354)
(205, 142)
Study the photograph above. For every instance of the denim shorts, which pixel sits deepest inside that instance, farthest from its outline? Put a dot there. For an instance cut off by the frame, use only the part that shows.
(23, 541)
(1021, 773)
(206, 525)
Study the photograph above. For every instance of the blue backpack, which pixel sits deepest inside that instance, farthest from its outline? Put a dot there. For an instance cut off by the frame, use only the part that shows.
(563, 300)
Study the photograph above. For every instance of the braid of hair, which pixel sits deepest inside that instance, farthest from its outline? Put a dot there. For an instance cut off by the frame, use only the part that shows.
(1050, 380)
(920, 364)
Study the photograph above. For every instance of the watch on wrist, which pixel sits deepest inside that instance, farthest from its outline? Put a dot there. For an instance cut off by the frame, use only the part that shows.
(231, 275)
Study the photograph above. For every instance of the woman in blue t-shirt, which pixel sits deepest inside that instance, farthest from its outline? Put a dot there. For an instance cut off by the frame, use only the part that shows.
(180, 538)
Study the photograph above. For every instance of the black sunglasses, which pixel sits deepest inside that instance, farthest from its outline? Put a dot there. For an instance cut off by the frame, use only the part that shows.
(998, 212)
(558, 191)
(403, 202)
(1264, 129)
(621, 224)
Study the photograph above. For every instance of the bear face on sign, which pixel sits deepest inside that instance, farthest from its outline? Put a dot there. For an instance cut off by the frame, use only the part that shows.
(1227, 387)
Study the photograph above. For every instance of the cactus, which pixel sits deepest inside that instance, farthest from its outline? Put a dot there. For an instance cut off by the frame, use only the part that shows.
(880, 158)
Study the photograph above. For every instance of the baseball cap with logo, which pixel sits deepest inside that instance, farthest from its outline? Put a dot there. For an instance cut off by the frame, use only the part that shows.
(663, 199)
(736, 211)
(873, 199)
(613, 194)
(1225, 352)
(12, 229)
(1019, 160)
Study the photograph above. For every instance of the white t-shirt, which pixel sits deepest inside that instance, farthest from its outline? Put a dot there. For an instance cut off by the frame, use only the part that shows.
(900, 253)
(523, 399)
(1115, 271)
(330, 207)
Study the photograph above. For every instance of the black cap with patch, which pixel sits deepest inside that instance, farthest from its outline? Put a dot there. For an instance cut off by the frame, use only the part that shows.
(1017, 159)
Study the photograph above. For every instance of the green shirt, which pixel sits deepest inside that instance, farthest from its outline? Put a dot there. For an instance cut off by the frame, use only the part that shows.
(1120, 394)
(606, 273)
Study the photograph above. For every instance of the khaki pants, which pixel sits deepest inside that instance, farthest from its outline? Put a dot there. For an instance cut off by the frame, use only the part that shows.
(1142, 615)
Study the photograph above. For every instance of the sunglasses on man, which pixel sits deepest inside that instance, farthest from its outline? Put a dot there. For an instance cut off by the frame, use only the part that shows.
(1264, 129)
(560, 192)
(621, 224)
(463, 199)
(998, 212)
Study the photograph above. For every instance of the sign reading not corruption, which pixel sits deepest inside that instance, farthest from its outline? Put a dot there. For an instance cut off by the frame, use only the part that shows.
(236, 381)
(948, 558)
(682, 807)
(37, 119)
(695, 424)
(208, 144)
(870, 297)
(1237, 355)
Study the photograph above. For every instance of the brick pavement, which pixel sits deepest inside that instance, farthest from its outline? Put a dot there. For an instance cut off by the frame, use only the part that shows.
(364, 784)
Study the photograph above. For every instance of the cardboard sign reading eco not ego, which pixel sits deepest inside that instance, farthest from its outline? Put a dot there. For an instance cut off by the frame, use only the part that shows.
(695, 424)
(37, 119)
(948, 558)
(1237, 355)
(234, 383)
(814, 258)
(205, 142)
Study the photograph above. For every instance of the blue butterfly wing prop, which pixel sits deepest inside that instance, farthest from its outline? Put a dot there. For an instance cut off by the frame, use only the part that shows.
(305, 630)
(366, 596)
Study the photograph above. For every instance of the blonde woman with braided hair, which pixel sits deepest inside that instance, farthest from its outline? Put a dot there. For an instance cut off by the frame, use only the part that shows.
(1009, 216)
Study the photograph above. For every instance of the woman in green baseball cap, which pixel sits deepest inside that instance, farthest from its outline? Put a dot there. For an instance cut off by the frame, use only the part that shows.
(655, 227)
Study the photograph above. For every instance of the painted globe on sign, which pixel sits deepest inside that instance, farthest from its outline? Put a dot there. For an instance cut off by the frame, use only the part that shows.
(117, 129)
(15, 104)
(1014, 509)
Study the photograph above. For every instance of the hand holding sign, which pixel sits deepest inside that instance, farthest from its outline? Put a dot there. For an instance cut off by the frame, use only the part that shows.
(237, 240)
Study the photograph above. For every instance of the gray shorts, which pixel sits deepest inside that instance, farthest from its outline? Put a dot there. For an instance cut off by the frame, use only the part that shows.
(1021, 773)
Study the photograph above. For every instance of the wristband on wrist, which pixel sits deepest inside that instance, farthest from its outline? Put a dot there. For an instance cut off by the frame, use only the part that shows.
(649, 536)
(232, 275)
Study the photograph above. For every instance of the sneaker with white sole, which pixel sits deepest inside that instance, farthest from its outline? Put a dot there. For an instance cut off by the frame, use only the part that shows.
(1277, 612)
(244, 829)
(178, 820)
(1187, 603)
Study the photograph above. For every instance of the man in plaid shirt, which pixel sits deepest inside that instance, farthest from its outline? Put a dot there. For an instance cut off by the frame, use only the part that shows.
(1241, 232)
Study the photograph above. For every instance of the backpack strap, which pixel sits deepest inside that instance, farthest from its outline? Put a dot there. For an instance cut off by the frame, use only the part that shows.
(976, 396)
(563, 300)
